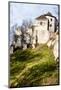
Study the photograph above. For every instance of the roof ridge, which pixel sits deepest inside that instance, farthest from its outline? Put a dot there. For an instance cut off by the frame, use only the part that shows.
(44, 16)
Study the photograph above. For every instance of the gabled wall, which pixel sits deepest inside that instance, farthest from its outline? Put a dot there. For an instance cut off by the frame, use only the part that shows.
(51, 23)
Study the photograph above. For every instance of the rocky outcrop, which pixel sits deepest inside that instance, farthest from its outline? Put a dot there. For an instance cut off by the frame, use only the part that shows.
(53, 42)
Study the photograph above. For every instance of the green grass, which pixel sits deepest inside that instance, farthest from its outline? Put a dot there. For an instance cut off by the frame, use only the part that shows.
(33, 67)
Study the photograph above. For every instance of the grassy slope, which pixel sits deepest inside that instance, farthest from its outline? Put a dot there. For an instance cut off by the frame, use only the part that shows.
(33, 67)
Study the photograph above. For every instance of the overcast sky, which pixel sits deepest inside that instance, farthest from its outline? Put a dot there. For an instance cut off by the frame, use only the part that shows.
(21, 11)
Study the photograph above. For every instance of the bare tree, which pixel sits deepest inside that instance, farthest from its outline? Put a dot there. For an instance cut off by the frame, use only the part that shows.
(26, 38)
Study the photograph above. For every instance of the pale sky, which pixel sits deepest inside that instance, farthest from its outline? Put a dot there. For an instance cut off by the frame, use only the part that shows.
(22, 11)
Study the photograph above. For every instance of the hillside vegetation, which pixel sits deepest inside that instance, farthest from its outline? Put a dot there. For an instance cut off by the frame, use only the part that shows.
(33, 67)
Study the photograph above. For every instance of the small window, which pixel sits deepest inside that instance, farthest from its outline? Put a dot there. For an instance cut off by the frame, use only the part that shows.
(50, 25)
(41, 23)
(51, 19)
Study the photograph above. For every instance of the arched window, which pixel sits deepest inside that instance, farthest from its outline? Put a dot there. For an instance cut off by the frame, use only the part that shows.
(51, 19)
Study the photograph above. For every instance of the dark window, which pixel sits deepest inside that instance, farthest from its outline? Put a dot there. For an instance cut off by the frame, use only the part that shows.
(50, 25)
(51, 19)
(41, 23)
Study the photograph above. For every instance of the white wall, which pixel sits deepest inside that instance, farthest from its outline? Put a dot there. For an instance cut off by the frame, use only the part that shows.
(43, 36)
(42, 26)
(41, 32)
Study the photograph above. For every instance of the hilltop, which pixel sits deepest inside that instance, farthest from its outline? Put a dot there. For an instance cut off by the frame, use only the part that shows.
(33, 67)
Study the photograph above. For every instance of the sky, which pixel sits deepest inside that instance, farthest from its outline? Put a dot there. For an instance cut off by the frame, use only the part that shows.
(23, 11)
